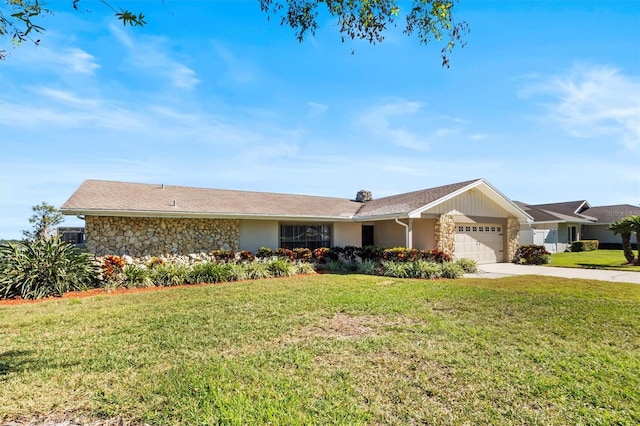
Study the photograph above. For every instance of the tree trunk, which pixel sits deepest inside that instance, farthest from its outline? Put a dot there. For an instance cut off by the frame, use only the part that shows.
(626, 247)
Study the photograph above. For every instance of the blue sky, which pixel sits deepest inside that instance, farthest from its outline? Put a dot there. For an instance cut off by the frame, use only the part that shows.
(543, 102)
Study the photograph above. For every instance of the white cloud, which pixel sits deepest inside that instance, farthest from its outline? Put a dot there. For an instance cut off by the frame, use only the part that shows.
(150, 54)
(593, 102)
(385, 122)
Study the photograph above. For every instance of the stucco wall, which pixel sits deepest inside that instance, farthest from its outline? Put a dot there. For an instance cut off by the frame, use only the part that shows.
(259, 233)
(423, 234)
(140, 236)
(347, 234)
(600, 233)
(389, 234)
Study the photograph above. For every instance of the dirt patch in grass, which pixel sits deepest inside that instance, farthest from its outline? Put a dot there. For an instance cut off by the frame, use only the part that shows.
(344, 326)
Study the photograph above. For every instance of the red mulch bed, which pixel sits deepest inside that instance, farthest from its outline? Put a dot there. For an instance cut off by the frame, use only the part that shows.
(93, 292)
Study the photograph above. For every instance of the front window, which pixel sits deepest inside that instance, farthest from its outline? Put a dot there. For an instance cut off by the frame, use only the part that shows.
(305, 236)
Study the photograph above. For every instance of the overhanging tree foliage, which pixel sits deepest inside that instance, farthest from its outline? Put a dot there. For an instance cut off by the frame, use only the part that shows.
(367, 20)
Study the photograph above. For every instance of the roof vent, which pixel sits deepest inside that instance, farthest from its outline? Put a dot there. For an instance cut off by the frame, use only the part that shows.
(363, 196)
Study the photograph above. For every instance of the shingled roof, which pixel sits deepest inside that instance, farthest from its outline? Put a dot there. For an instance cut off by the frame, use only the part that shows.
(410, 201)
(98, 197)
(570, 211)
(107, 197)
(609, 214)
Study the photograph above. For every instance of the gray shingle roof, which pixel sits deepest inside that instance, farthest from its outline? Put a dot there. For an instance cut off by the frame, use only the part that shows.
(139, 198)
(566, 212)
(410, 201)
(609, 214)
(97, 196)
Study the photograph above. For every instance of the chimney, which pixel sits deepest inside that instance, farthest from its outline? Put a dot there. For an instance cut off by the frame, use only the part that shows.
(363, 196)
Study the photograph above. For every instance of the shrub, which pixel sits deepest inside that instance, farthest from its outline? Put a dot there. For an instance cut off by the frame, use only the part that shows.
(435, 255)
(264, 253)
(399, 254)
(303, 254)
(451, 270)
(397, 269)
(284, 253)
(224, 255)
(209, 272)
(350, 253)
(258, 270)
(136, 276)
(532, 255)
(371, 253)
(245, 256)
(585, 245)
(281, 267)
(425, 269)
(155, 261)
(336, 266)
(469, 266)
(303, 268)
(170, 275)
(368, 267)
(41, 268)
(112, 268)
(320, 253)
(236, 272)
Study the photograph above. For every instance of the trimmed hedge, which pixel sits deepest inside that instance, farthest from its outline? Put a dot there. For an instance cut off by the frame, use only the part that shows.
(532, 255)
(585, 245)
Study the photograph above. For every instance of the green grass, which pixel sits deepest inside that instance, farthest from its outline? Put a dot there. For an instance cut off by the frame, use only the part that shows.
(331, 349)
(596, 259)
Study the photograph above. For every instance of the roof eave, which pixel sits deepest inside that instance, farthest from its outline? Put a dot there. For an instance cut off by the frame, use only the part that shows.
(200, 215)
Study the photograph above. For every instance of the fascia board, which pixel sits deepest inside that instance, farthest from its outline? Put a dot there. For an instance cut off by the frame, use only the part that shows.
(189, 215)
(378, 217)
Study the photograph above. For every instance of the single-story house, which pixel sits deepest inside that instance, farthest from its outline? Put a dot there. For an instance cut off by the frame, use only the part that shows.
(557, 225)
(469, 219)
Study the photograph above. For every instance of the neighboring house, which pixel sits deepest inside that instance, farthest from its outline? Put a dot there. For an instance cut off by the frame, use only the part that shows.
(72, 234)
(468, 219)
(557, 225)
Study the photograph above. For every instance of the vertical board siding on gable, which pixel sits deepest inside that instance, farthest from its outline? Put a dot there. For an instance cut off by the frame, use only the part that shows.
(471, 204)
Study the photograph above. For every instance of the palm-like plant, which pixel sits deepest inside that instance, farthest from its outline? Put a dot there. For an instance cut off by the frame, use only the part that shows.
(625, 227)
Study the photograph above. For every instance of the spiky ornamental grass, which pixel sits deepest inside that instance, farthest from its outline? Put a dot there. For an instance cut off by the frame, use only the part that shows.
(42, 268)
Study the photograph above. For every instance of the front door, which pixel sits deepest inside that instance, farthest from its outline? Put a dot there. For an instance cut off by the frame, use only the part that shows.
(367, 235)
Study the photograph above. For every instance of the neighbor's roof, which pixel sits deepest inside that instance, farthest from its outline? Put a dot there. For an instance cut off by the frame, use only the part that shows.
(609, 214)
(569, 211)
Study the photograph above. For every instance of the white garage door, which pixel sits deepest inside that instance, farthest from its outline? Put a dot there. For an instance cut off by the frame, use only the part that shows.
(481, 242)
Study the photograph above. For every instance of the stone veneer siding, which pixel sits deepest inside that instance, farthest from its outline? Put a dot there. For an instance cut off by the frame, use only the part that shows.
(445, 234)
(513, 238)
(147, 236)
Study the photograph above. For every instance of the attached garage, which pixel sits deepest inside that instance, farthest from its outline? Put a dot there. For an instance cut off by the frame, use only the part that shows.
(482, 242)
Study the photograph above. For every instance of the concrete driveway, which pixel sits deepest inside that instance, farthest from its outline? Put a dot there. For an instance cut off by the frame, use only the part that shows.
(499, 270)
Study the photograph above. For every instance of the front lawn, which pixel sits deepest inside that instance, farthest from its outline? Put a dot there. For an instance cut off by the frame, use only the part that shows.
(596, 259)
(331, 349)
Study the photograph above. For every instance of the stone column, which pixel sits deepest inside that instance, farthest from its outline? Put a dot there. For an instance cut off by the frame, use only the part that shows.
(513, 238)
(445, 234)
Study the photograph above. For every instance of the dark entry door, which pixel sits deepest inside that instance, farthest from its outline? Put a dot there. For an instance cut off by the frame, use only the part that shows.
(367, 235)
